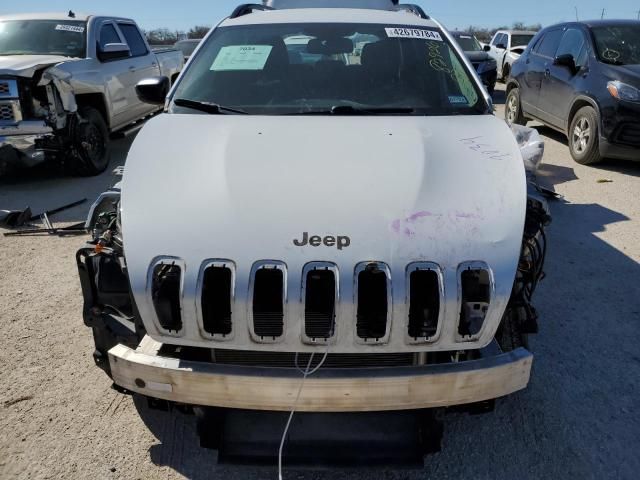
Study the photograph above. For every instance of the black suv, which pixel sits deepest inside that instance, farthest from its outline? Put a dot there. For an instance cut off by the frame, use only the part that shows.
(486, 66)
(583, 79)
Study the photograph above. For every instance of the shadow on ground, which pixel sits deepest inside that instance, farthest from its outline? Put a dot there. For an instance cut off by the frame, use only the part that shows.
(46, 187)
(627, 167)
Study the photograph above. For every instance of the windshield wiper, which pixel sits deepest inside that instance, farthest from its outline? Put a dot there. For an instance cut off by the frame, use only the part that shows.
(351, 110)
(207, 107)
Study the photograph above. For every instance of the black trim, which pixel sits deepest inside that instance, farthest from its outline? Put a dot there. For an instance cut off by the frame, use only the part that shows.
(410, 7)
(483, 363)
(248, 8)
(618, 152)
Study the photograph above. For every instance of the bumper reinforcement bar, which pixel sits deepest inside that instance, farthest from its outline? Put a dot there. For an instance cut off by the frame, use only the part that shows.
(329, 390)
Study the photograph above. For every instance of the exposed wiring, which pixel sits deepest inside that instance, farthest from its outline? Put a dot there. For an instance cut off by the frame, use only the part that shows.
(305, 373)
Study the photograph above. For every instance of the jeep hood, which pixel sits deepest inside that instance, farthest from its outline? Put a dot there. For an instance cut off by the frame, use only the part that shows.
(27, 65)
(403, 189)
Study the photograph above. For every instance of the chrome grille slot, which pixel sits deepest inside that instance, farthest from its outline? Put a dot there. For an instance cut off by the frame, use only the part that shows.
(475, 292)
(320, 291)
(425, 299)
(4, 88)
(373, 291)
(166, 284)
(216, 298)
(269, 297)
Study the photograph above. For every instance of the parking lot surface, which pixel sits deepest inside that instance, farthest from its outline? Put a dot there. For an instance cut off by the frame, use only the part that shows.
(579, 418)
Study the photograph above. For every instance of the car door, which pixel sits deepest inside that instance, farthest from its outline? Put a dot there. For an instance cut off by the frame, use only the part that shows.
(493, 51)
(558, 88)
(115, 74)
(502, 52)
(142, 64)
(538, 64)
(497, 53)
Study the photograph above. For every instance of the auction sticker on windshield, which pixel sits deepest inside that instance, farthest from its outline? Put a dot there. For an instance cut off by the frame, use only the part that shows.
(242, 57)
(70, 28)
(418, 33)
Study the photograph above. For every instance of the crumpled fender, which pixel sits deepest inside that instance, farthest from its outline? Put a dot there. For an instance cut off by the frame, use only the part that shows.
(62, 81)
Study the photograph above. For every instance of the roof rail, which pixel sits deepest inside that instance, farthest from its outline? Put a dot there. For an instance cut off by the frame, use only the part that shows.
(415, 9)
(248, 8)
(366, 4)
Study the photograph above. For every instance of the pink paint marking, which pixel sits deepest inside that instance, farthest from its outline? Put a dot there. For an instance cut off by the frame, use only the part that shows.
(419, 215)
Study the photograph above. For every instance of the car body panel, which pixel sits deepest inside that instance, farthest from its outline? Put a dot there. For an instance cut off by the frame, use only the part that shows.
(403, 189)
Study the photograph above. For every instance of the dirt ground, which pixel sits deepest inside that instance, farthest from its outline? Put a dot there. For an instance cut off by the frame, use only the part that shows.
(580, 417)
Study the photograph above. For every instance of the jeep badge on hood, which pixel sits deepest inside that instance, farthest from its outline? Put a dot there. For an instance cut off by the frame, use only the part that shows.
(340, 242)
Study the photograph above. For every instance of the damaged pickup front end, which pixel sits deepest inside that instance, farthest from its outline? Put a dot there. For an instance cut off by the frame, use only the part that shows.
(37, 113)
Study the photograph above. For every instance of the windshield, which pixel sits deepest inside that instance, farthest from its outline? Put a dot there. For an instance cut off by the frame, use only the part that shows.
(187, 47)
(618, 44)
(43, 37)
(469, 43)
(313, 68)
(521, 40)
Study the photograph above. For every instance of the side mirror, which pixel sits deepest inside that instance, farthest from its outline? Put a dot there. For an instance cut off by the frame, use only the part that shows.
(114, 51)
(566, 60)
(153, 90)
(486, 48)
(501, 46)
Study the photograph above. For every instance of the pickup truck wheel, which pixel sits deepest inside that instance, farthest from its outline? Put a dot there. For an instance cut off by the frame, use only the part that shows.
(513, 109)
(90, 154)
(584, 144)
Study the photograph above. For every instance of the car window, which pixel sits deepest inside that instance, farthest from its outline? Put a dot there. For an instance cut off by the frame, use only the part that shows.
(108, 34)
(548, 46)
(468, 43)
(521, 40)
(287, 69)
(43, 37)
(501, 39)
(134, 39)
(496, 39)
(573, 43)
(618, 44)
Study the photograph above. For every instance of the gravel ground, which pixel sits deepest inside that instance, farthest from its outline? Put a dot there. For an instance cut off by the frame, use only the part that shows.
(579, 418)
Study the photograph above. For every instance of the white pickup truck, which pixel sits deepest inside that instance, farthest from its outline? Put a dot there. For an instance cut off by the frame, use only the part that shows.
(506, 46)
(67, 82)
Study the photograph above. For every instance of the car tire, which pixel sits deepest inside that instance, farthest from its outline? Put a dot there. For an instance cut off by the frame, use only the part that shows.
(90, 144)
(513, 110)
(584, 143)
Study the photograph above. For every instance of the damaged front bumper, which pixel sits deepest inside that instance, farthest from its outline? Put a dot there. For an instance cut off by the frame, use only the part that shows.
(145, 371)
(19, 143)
